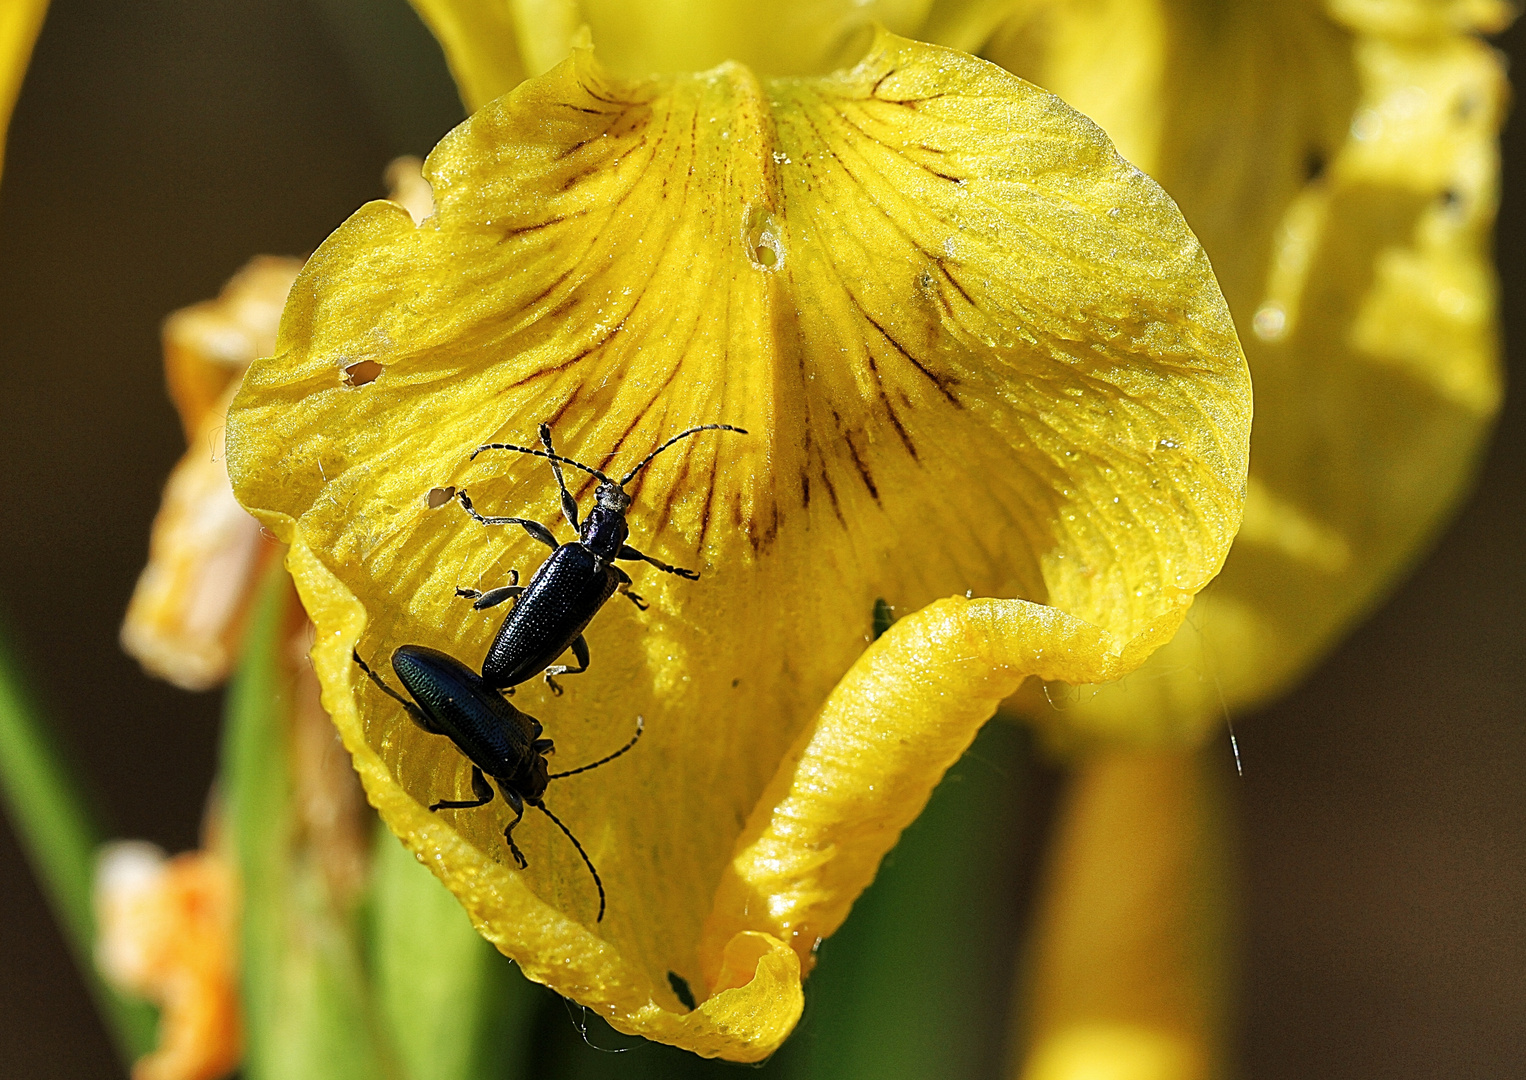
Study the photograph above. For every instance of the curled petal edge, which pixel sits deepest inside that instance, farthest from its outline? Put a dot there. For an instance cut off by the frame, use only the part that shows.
(861, 773)
(863, 770)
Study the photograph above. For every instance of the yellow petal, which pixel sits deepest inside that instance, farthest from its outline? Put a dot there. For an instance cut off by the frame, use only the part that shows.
(1108, 58)
(1116, 1052)
(907, 710)
(480, 43)
(789, 37)
(1423, 18)
(975, 352)
(20, 20)
(493, 44)
(1340, 166)
(186, 617)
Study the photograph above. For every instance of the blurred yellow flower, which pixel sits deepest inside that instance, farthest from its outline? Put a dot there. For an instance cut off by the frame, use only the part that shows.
(1339, 163)
(185, 620)
(1129, 960)
(978, 354)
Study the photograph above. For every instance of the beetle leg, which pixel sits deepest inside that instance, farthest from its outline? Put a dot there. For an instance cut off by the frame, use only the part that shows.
(534, 528)
(511, 797)
(624, 585)
(569, 504)
(480, 788)
(641, 605)
(492, 598)
(580, 652)
(628, 552)
(414, 712)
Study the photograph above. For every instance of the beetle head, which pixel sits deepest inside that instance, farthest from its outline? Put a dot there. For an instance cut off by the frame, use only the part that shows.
(611, 496)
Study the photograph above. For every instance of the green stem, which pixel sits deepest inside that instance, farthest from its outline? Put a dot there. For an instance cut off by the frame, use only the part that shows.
(307, 1005)
(456, 1008)
(51, 814)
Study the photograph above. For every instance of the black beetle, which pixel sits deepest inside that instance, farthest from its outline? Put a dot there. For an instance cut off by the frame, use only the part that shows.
(499, 740)
(573, 584)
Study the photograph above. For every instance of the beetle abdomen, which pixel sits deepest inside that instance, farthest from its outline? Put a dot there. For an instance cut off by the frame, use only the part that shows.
(561, 599)
(497, 737)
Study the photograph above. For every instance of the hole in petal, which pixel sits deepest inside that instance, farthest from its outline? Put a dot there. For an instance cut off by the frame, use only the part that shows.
(359, 374)
(439, 496)
(764, 246)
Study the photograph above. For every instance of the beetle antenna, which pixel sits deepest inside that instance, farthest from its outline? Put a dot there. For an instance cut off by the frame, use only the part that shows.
(539, 453)
(598, 884)
(640, 724)
(681, 435)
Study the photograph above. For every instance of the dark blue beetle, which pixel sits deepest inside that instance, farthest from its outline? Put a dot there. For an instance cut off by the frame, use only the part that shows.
(572, 585)
(501, 742)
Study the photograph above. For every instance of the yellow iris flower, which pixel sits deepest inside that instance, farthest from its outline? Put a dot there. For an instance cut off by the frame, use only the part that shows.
(1339, 162)
(977, 353)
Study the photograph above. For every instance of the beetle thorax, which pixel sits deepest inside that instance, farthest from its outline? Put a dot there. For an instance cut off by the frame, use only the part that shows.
(604, 530)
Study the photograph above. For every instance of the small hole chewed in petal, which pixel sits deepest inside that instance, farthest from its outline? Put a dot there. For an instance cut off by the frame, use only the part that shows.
(362, 373)
(764, 239)
(978, 328)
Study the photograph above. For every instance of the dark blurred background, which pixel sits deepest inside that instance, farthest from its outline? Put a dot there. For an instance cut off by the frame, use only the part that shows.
(159, 144)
